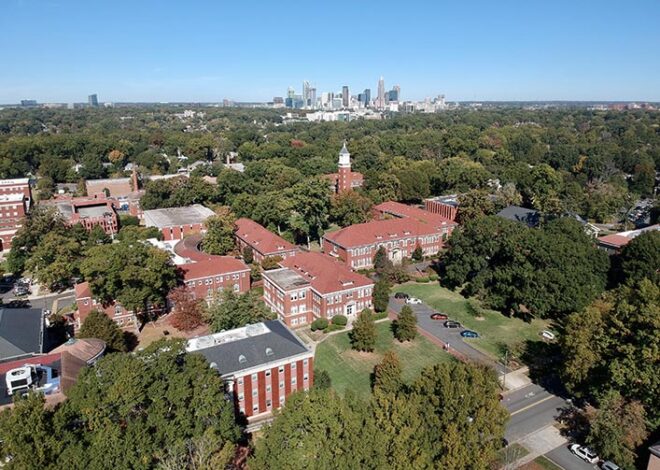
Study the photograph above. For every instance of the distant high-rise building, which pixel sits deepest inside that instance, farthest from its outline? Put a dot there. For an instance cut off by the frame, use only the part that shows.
(393, 96)
(291, 92)
(93, 101)
(305, 93)
(380, 102)
(312, 97)
(28, 103)
(345, 97)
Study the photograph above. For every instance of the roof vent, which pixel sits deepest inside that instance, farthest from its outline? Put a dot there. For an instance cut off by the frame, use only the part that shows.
(269, 352)
(242, 359)
(213, 366)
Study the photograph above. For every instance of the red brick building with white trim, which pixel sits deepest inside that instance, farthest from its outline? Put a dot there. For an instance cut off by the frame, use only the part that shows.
(400, 230)
(345, 179)
(85, 303)
(262, 241)
(313, 285)
(15, 200)
(261, 365)
(89, 211)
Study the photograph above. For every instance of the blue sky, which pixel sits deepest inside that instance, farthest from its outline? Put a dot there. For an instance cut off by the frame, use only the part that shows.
(194, 50)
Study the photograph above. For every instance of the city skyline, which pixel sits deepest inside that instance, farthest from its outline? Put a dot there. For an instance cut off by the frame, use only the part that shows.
(151, 52)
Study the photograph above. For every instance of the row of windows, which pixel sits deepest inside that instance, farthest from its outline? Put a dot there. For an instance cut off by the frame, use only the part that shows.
(255, 392)
(299, 321)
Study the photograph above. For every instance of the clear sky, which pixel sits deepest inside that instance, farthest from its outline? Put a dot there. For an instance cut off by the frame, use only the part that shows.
(195, 50)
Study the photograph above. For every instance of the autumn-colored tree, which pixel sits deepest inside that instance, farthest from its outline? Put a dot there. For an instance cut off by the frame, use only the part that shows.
(187, 310)
(116, 156)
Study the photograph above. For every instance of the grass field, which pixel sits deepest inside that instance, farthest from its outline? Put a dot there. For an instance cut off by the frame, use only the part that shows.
(350, 369)
(494, 328)
(540, 463)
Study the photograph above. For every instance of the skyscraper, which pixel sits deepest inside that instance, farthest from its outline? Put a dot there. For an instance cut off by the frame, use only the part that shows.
(305, 93)
(393, 96)
(312, 98)
(93, 101)
(380, 102)
(344, 96)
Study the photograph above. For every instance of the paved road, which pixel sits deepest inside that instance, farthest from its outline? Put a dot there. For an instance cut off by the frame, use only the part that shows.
(531, 408)
(565, 459)
(64, 299)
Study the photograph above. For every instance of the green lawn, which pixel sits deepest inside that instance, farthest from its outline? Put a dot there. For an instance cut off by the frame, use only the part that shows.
(350, 369)
(546, 464)
(495, 329)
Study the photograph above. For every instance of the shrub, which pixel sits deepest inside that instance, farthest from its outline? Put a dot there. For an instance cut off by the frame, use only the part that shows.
(423, 279)
(319, 324)
(333, 327)
(433, 277)
(339, 320)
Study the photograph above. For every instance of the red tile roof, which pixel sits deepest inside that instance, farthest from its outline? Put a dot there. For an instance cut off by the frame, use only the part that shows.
(214, 266)
(403, 210)
(82, 290)
(379, 231)
(261, 239)
(614, 240)
(325, 273)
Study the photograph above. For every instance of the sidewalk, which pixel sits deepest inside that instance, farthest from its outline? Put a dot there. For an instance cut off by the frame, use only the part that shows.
(540, 443)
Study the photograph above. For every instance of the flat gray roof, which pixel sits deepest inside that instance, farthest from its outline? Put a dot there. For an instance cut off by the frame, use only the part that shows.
(286, 278)
(93, 211)
(177, 216)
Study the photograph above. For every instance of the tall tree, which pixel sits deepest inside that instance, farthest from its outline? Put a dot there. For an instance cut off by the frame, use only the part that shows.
(220, 228)
(387, 374)
(99, 325)
(187, 313)
(363, 334)
(641, 258)
(231, 310)
(381, 295)
(405, 327)
(350, 208)
(55, 260)
(617, 429)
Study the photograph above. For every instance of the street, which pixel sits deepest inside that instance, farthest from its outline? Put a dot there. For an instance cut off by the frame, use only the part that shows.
(532, 408)
(65, 298)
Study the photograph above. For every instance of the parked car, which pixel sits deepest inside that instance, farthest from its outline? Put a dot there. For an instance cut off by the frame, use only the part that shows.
(21, 290)
(439, 316)
(584, 453)
(453, 324)
(401, 295)
(413, 301)
(607, 465)
(547, 334)
(469, 334)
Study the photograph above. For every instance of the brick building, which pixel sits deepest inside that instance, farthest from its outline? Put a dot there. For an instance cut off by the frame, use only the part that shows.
(176, 223)
(345, 179)
(400, 230)
(313, 285)
(89, 211)
(115, 187)
(260, 364)
(446, 206)
(263, 242)
(15, 200)
(85, 303)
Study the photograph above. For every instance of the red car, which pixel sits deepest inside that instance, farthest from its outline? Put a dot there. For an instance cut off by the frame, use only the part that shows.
(439, 316)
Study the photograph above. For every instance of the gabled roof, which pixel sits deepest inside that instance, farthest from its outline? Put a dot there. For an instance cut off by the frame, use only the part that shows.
(261, 239)
(21, 332)
(325, 273)
(522, 215)
(405, 211)
(381, 231)
(251, 346)
(214, 266)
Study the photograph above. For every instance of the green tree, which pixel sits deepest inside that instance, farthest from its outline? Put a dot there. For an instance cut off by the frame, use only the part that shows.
(232, 310)
(405, 327)
(248, 255)
(55, 260)
(641, 258)
(418, 253)
(350, 208)
(220, 228)
(99, 325)
(381, 261)
(381, 295)
(387, 374)
(322, 380)
(609, 346)
(617, 429)
(271, 262)
(473, 204)
(97, 236)
(363, 334)
(311, 201)
(132, 273)
(460, 403)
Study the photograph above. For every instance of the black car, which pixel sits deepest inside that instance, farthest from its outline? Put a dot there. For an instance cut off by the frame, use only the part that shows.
(401, 295)
(453, 324)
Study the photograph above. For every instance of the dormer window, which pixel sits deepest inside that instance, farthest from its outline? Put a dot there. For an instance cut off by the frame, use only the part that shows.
(242, 359)
(269, 352)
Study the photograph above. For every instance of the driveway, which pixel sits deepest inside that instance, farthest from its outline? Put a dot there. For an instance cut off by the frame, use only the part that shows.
(449, 336)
